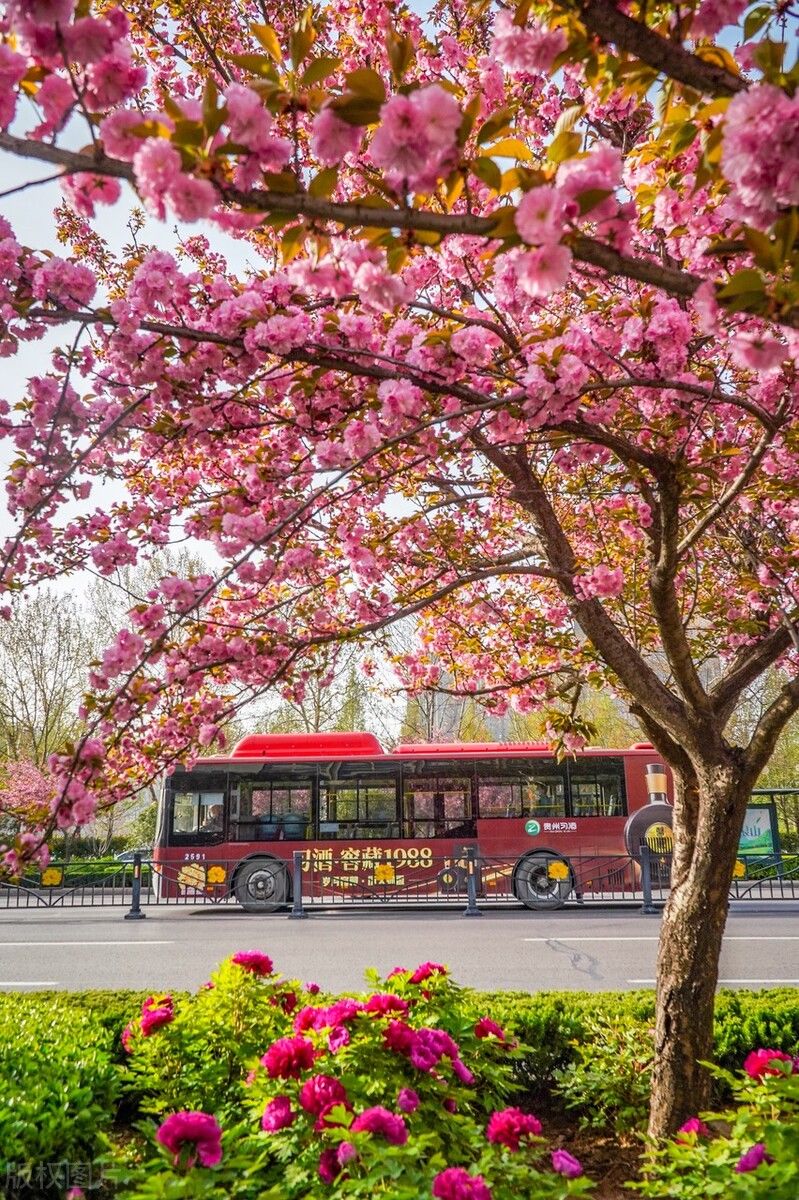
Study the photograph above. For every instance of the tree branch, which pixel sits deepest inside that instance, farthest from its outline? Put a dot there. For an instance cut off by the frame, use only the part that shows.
(609, 23)
(749, 663)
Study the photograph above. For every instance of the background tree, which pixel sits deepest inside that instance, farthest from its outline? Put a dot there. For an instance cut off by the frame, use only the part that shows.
(517, 358)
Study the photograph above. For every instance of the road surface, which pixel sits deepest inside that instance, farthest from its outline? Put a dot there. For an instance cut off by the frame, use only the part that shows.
(172, 949)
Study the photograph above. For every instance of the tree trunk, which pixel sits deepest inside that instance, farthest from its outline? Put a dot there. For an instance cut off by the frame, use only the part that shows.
(690, 944)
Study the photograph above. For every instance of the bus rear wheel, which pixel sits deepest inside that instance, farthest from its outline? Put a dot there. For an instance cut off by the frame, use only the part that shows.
(543, 880)
(262, 885)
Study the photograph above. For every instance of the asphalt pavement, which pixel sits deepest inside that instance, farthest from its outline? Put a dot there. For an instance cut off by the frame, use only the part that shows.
(571, 949)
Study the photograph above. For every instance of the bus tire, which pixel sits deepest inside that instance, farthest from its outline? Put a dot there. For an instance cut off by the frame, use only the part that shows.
(534, 884)
(641, 821)
(261, 885)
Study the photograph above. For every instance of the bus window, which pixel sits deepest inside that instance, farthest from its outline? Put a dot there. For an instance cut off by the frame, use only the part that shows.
(358, 800)
(196, 808)
(437, 797)
(521, 788)
(271, 809)
(596, 787)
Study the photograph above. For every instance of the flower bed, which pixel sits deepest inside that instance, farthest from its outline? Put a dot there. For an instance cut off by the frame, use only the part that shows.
(258, 1086)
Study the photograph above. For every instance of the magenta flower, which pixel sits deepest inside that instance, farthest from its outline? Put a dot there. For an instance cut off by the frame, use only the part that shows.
(485, 1027)
(407, 1100)
(278, 1114)
(462, 1072)
(399, 1037)
(457, 1184)
(288, 1057)
(397, 971)
(321, 1091)
(380, 1121)
(692, 1125)
(382, 1003)
(312, 989)
(759, 1063)
(509, 1125)
(425, 970)
(450, 1105)
(253, 961)
(155, 1013)
(126, 1038)
(566, 1164)
(752, 1159)
(346, 1153)
(329, 1166)
(198, 1131)
(338, 1037)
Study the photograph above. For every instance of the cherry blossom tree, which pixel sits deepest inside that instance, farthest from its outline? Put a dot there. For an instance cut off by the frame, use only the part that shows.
(511, 350)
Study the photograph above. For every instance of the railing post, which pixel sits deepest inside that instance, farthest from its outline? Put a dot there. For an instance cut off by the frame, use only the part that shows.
(297, 913)
(136, 913)
(648, 908)
(471, 909)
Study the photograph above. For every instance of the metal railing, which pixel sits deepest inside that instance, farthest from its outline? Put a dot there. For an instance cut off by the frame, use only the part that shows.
(469, 882)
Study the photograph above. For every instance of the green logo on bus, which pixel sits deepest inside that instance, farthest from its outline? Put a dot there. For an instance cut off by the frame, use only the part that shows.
(533, 828)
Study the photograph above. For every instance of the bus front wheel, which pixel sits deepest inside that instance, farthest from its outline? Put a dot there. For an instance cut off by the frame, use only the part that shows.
(543, 880)
(262, 885)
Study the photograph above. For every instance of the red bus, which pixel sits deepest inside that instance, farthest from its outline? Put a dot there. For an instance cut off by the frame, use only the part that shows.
(229, 826)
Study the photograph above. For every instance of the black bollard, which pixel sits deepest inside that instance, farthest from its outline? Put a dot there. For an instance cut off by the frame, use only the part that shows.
(471, 909)
(648, 907)
(297, 913)
(136, 913)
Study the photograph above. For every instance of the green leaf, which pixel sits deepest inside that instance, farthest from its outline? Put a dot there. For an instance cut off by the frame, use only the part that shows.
(302, 38)
(319, 69)
(756, 19)
(357, 110)
(591, 198)
(401, 53)
(497, 123)
(569, 118)
(487, 170)
(510, 147)
(281, 181)
(269, 40)
(367, 83)
(323, 184)
(258, 64)
(564, 146)
(683, 137)
(765, 251)
(747, 280)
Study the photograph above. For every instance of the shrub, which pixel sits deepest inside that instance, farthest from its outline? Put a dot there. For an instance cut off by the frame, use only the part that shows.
(59, 1089)
(608, 1081)
(394, 1093)
(742, 1153)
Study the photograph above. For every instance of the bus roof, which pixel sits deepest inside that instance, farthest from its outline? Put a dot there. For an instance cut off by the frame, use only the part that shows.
(345, 745)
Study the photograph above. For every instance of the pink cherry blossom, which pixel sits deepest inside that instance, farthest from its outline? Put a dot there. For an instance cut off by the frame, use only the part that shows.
(333, 139)
(531, 49)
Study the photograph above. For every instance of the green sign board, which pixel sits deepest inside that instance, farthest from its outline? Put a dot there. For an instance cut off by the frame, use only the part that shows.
(533, 828)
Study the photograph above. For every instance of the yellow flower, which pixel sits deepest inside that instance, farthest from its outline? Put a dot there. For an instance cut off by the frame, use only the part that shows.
(384, 873)
(216, 874)
(52, 877)
(558, 869)
(739, 870)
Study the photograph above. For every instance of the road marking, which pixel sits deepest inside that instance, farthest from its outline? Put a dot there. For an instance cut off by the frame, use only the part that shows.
(29, 983)
(737, 938)
(724, 982)
(124, 942)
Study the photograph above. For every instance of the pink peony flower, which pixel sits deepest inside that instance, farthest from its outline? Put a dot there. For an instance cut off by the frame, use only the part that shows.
(126, 1037)
(312, 989)
(346, 1153)
(760, 1063)
(752, 1159)
(155, 1013)
(380, 1121)
(338, 1038)
(566, 1164)
(333, 139)
(320, 1092)
(425, 970)
(485, 1027)
(407, 1100)
(288, 1057)
(692, 1125)
(329, 1166)
(457, 1184)
(509, 1125)
(253, 961)
(198, 1131)
(383, 1003)
(278, 1114)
